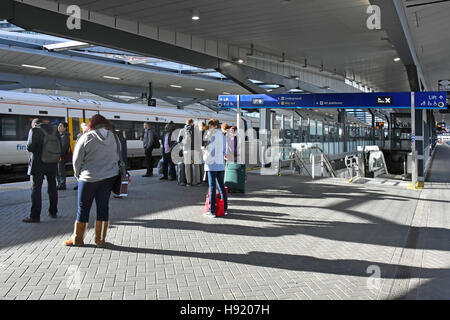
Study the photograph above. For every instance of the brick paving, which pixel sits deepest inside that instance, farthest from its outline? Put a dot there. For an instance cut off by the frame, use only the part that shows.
(286, 238)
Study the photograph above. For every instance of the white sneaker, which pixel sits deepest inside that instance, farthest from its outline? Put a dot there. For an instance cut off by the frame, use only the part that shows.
(209, 215)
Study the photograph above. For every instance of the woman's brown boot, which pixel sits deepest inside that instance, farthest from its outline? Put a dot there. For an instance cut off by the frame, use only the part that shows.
(77, 239)
(101, 227)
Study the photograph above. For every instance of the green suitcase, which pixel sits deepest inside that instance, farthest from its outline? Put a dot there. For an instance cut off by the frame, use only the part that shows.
(235, 177)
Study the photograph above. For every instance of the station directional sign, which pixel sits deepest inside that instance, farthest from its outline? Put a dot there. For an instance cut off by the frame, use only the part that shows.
(431, 100)
(398, 100)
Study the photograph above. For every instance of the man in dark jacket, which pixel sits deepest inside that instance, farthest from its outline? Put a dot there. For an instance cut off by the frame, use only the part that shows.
(167, 144)
(147, 138)
(38, 169)
(66, 154)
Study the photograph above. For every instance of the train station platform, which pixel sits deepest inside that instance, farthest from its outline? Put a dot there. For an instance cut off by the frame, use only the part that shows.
(288, 237)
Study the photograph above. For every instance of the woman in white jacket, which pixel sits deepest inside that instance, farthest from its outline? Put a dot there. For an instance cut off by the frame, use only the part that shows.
(95, 165)
(214, 158)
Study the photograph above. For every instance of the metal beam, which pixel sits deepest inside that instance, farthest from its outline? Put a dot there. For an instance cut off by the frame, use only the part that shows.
(241, 74)
(54, 23)
(372, 113)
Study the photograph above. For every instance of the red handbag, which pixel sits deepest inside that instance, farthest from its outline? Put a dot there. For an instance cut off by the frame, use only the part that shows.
(220, 204)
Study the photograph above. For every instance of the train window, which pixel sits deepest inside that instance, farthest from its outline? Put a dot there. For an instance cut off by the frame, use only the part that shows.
(8, 127)
(75, 127)
(16, 127)
(127, 127)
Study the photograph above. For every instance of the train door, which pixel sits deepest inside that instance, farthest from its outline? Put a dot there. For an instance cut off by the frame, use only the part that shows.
(75, 117)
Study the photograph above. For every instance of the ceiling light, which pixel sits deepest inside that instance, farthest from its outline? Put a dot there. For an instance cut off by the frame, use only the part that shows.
(67, 45)
(195, 15)
(199, 89)
(397, 59)
(269, 90)
(238, 60)
(33, 67)
(112, 78)
(175, 86)
(226, 92)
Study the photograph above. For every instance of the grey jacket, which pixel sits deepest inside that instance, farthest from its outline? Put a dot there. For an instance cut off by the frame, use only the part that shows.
(148, 137)
(95, 157)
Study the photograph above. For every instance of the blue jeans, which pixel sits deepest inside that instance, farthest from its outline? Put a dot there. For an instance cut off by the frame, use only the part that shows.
(101, 191)
(213, 177)
(169, 166)
(36, 193)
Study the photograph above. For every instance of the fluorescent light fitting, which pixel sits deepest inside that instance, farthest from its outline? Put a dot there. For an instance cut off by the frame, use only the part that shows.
(397, 59)
(199, 89)
(175, 86)
(112, 78)
(67, 45)
(33, 67)
(238, 60)
(226, 92)
(195, 15)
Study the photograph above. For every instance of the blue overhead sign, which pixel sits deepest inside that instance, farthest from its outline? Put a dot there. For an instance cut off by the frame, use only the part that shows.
(400, 100)
(431, 100)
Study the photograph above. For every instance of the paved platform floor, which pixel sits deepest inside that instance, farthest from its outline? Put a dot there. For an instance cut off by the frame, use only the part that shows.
(286, 238)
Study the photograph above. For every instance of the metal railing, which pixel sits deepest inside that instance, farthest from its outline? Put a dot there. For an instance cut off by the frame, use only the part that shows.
(305, 159)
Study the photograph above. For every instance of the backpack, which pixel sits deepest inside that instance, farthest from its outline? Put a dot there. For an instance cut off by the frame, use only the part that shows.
(156, 144)
(51, 149)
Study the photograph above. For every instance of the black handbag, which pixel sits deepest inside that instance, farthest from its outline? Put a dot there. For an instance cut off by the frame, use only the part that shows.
(123, 176)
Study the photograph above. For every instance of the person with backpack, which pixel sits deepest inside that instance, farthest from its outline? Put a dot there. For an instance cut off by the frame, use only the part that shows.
(150, 141)
(66, 155)
(44, 143)
(96, 167)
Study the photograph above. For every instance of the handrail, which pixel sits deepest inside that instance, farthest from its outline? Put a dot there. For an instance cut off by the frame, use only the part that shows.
(326, 161)
(298, 158)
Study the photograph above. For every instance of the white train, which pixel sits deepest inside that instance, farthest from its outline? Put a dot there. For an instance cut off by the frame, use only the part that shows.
(17, 110)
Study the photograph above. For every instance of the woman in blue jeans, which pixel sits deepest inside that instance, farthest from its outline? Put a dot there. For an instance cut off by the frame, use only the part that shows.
(214, 159)
(95, 165)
